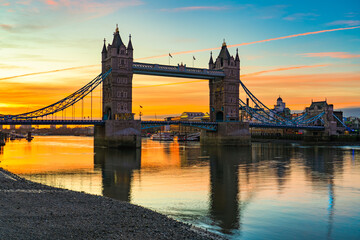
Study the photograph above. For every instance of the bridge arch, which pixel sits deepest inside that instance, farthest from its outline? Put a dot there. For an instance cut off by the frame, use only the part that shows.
(219, 116)
(107, 115)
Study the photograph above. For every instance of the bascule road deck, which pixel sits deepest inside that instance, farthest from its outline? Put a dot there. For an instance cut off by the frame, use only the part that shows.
(33, 211)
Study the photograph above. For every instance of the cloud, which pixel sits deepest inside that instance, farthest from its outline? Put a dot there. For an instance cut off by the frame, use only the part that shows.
(351, 14)
(7, 27)
(196, 8)
(24, 2)
(284, 69)
(96, 8)
(301, 16)
(51, 2)
(344, 22)
(331, 55)
(7, 66)
(5, 4)
(271, 12)
(22, 27)
(51, 71)
(249, 43)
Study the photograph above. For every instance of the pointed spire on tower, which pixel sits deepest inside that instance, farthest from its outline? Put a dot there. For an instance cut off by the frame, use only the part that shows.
(104, 47)
(117, 42)
(211, 59)
(224, 53)
(237, 59)
(130, 47)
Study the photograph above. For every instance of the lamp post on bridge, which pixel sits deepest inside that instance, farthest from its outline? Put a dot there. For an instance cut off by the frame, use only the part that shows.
(140, 113)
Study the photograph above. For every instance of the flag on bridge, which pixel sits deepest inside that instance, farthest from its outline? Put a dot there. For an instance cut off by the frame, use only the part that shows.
(170, 55)
(141, 106)
(194, 58)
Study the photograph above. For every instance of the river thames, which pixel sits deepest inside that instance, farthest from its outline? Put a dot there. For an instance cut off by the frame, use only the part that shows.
(266, 191)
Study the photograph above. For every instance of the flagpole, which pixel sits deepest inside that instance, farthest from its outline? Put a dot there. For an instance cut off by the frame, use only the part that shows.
(169, 57)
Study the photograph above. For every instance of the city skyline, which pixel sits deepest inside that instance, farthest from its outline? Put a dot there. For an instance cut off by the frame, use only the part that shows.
(300, 52)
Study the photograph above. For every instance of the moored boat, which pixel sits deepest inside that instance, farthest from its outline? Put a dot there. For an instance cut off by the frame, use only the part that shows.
(164, 136)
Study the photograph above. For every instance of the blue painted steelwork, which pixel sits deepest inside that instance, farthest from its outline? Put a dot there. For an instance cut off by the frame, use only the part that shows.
(175, 71)
(51, 122)
(257, 114)
(210, 126)
(342, 123)
(63, 103)
(313, 119)
(263, 108)
(299, 118)
(306, 127)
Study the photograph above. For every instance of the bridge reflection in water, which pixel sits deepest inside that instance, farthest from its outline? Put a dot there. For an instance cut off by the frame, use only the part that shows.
(117, 170)
(236, 176)
(259, 192)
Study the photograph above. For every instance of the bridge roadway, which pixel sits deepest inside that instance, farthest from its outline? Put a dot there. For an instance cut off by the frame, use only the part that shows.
(210, 126)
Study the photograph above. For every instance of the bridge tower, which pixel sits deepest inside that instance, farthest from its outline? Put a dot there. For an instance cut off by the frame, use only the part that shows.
(117, 88)
(224, 91)
(224, 103)
(120, 130)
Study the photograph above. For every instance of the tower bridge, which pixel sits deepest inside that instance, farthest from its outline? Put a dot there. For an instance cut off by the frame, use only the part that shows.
(223, 75)
(118, 128)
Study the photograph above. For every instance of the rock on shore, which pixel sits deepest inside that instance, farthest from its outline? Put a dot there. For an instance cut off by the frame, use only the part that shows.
(30, 210)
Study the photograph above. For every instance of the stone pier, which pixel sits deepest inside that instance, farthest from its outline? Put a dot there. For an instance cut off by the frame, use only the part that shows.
(227, 134)
(118, 134)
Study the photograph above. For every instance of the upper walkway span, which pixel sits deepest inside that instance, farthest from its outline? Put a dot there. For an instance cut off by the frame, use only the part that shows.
(175, 71)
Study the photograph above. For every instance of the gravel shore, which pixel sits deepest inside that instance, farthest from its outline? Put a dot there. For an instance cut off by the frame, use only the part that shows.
(30, 210)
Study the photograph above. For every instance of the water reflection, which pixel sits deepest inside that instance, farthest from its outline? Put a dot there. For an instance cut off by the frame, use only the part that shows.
(266, 191)
(275, 158)
(224, 182)
(323, 164)
(117, 167)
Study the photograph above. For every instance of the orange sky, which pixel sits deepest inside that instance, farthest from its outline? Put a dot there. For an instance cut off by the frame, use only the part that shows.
(166, 95)
(300, 51)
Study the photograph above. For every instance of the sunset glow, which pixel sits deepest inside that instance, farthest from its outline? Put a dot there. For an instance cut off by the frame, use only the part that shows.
(52, 48)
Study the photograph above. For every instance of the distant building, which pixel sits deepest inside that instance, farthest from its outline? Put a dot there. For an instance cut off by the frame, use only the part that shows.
(330, 120)
(281, 109)
(353, 122)
(191, 116)
(187, 116)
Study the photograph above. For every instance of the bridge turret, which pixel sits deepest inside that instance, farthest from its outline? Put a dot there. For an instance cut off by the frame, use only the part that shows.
(130, 48)
(103, 56)
(224, 91)
(211, 62)
(237, 58)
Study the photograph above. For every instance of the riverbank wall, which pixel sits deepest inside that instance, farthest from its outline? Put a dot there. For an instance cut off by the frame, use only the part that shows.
(301, 138)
